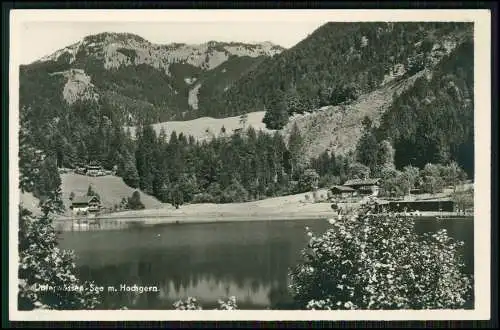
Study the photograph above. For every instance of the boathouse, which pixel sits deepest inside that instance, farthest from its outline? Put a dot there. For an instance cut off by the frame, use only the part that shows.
(437, 205)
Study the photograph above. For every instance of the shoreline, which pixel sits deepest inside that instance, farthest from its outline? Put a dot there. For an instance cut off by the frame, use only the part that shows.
(138, 221)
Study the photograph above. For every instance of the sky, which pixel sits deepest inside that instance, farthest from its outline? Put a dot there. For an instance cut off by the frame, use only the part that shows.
(40, 38)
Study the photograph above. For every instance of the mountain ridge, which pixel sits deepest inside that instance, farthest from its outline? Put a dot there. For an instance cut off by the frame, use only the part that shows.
(159, 78)
(108, 39)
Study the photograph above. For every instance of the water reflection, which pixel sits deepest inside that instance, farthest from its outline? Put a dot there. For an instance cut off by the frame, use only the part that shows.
(207, 288)
(249, 260)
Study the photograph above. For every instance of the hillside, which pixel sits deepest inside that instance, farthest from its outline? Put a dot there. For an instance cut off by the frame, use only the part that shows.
(394, 106)
(111, 189)
(433, 121)
(336, 64)
(283, 207)
(338, 128)
(331, 128)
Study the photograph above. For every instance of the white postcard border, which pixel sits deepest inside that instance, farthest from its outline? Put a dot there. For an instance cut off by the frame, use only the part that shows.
(482, 101)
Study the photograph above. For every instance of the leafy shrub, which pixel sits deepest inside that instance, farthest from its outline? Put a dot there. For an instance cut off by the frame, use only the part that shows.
(308, 181)
(203, 198)
(394, 184)
(123, 204)
(134, 202)
(234, 193)
(464, 200)
(42, 263)
(189, 304)
(367, 261)
(328, 180)
(229, 304)
(357, 170)
(192, 304)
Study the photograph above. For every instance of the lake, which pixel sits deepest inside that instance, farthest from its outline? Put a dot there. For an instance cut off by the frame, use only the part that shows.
(249, 260)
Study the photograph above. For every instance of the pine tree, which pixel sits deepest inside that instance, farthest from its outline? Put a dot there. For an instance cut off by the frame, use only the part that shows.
(147, 147)
(295, 148)
(91, 192)
(134, 202)
(276, 116)
(48, 186)
(129, 171)
(385, 154)
(293, 102)
(367, 149)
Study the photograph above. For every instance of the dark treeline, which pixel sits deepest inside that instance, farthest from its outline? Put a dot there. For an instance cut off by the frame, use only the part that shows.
(176, 168)
(432, 122)
(241, 167)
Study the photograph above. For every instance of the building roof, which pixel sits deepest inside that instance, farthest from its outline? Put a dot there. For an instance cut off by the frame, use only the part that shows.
(342, 189)
(83, 199)
(362, 182)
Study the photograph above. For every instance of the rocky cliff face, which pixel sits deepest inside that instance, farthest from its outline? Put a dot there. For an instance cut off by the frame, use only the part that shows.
(78, 86)
(122, 49)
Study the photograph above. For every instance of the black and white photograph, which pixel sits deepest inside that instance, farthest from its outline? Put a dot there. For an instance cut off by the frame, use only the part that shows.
(271, 164)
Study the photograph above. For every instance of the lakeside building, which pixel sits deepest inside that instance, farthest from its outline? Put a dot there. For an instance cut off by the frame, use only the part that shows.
(85, 204)
(342, 191)
(364, 186)
(427, 205)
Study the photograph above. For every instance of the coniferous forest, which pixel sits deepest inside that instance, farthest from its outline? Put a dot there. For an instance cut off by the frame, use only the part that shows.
(430, 122)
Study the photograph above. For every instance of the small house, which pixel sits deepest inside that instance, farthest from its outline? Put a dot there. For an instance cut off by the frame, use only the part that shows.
(342, 191)
(85, 204)
(364, 186)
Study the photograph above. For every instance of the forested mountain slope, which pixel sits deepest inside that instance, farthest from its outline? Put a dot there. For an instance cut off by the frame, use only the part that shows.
(433, 122)
(338, 128)
(336, 64)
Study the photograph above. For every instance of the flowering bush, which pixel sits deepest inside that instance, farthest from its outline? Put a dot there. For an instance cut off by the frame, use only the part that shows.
(369, 261)
(47, 277)
(192, 304)
(189, 304)
(229, 304)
